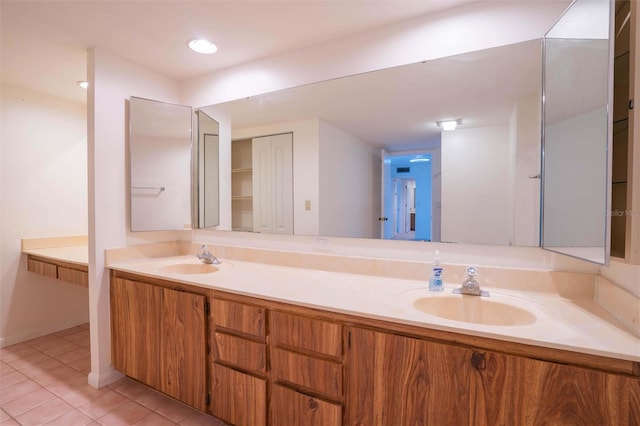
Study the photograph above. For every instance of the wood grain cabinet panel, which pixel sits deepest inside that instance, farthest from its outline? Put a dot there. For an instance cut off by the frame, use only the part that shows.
(245, 319)
(73, 276)
(135, 330)
(308, 334)
(42, 268)
(158, 336)
(183, 347)
(396, 380)
(289, 407)
(241, 353)
(315, 374)
(516, 390)
(239, 399)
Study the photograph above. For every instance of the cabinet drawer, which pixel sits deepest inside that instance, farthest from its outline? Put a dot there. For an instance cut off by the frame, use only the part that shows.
(239, 317)
(289, 407)
(73, 276)
(306, 333)
(240, 352)
(238, 398)
(42, 268)
(319, 375)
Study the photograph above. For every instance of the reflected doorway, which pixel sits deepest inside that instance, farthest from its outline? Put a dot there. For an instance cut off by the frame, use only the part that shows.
(407, 197)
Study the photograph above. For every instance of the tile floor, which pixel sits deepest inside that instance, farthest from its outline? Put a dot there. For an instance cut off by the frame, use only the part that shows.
(44, 382)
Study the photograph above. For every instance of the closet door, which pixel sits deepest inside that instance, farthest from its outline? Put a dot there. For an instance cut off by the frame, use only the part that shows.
(273, 184)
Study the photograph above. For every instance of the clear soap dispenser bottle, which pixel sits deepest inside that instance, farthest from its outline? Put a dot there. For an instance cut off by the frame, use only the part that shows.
(435, 281)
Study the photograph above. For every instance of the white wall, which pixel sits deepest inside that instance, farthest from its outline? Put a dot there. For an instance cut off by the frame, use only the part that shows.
(43, 188)
(475, 185)
(350, 186)
(112, 81)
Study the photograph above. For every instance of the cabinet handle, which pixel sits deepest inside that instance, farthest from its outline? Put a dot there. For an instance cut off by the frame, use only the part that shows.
(478, 361)
(313, 404)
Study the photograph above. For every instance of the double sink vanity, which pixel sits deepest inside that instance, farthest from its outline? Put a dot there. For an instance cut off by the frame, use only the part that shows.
(255, 343)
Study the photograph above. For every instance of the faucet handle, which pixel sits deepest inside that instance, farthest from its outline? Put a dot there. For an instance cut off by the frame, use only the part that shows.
(471, 272)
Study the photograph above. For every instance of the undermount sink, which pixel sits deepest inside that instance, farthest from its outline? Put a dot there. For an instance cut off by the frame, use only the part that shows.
(474, 309)
(189, 268)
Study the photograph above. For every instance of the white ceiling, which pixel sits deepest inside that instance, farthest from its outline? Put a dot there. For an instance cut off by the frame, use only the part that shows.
(397, 108)
(44, 43)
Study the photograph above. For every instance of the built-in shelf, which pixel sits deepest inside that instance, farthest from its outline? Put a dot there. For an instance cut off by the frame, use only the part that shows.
(241, 197)
(244, 170)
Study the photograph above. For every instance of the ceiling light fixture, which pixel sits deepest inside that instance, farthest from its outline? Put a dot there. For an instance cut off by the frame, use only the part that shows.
(203, 46)
(449, 124)
(83, 84)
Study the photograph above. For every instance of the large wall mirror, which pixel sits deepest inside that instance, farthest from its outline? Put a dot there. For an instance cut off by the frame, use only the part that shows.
(577, 132)
(370, 161)
(160, 165)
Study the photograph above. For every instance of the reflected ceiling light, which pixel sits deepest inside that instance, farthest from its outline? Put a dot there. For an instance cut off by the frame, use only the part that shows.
(419, 160)
(83, 84)
(203, 46)
(449, 124)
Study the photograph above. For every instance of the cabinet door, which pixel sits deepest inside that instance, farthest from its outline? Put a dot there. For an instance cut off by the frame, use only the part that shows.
(183, 347)
(396, 380)
(238, 398)
(289, 407)
(515, 390)
(135, 330)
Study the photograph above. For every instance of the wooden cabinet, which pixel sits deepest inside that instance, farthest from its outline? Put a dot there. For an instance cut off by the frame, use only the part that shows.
(63, 271)
(278, 364)
(159, 338)
(239, 373)
(306, 370)
(397, 380)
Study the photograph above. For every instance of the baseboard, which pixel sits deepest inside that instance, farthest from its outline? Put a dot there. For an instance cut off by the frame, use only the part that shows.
(32, 334)
(100, 380)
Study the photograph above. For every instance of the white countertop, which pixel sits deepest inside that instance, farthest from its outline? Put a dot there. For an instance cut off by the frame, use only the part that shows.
(575, 325)
(71, 254)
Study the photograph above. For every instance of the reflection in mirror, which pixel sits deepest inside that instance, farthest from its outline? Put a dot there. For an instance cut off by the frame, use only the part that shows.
(208, 179)
(476, 188)
(160, 165)
(576, 132)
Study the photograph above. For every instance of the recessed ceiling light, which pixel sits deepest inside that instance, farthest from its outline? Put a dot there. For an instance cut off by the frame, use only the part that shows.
(449, 124)
(83, 84)
(203, 46)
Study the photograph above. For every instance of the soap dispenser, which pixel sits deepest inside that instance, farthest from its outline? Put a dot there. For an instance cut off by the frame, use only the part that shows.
(435, 281)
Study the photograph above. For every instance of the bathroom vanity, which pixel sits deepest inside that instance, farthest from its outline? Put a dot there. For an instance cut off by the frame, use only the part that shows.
(61, 258)
(256, 344)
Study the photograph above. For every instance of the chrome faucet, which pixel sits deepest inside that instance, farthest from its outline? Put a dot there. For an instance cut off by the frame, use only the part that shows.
(206, 256)
(470, 286)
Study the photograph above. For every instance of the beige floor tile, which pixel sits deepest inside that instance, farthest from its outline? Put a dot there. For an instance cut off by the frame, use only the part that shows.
(80, 397)
(42, 367)
(130, 388)
(30, 361)
(103, 404)
(44, 413)
(73, 355)
(175, 411)
(61, 349)
(51, 342)
(201, 419)
(82, 365)
(73, 382)
(155, 419)
(4, 416)
(27, 402)
(152, 399)
(71, 418)
(22, 388)
(14, 352)
(11, 379)
(127, 414)
(9, 422)
(78, 336)
(5, 369)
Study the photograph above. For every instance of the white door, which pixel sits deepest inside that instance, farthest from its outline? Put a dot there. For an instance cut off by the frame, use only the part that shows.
(273, 184)
(386, 209)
